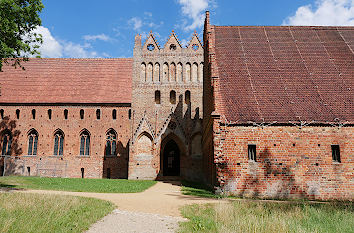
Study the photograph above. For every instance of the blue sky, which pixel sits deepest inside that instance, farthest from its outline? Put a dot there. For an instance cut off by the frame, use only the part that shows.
(91, 28)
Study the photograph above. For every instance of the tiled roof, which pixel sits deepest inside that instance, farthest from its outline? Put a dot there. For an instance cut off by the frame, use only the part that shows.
(285, 73)
(58, 80)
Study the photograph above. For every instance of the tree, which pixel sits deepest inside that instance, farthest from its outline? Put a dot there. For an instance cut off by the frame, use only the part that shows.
(18, 41)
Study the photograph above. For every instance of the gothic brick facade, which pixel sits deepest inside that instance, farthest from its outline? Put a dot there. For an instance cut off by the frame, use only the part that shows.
(167, 109)
(253, 111)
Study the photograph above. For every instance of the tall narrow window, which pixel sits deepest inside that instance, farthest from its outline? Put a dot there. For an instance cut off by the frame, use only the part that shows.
(2, 113)
(58, 143)
(17, 114)
(6, 143)
(66, 114)
(49, 114)
(187, 97)
(157, 97)
(33, 113)
(114, 114)
(82, 112)
(111, 143)
(98, 114)
(335, 153)
(173, 97)
(85, 143)
(129, 114)
(252, 152)
(32, 142)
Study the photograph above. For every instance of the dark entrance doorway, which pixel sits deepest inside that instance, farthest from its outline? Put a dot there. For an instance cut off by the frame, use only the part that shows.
(171, 159)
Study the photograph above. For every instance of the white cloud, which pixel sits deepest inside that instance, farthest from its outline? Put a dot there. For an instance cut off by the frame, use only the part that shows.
(325, 12)
(50, 47)
(55, 48)
(194, 10)
(102, 36)
(136, 22)
(148, 14)
(78, 51)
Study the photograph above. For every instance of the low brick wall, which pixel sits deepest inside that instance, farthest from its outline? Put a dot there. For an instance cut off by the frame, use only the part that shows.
(291, 162)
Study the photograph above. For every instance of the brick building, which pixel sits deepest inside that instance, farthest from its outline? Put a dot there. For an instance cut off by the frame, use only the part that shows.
(253, 111)
(278, 111)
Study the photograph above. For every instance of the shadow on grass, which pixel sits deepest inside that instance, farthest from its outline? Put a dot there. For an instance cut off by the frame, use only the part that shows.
(8, 187)
(198, 189)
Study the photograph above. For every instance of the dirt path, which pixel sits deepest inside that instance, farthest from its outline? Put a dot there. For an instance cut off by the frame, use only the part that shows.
(164, 198)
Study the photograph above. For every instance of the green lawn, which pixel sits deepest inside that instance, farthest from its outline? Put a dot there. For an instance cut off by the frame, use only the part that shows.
(76, 184)
(20, 212)
(256, 216)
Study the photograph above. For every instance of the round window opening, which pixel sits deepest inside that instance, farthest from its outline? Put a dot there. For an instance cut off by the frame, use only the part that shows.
(151, 47)
(195, 47)
(173, 47)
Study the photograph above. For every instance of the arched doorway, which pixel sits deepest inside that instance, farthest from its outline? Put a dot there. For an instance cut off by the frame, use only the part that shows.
(171, 159)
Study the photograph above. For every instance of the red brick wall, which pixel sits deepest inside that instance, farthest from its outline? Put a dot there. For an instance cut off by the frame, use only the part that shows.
(291, 162)
(70, 164)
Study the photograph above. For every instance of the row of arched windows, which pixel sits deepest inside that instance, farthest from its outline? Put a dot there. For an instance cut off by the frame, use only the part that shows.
(66, 114)
(187, 97)
(171, 72)
(110, 146)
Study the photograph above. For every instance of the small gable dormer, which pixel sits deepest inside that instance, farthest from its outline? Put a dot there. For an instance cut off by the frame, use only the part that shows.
(172, 44)
(195, 44)
(151, 44)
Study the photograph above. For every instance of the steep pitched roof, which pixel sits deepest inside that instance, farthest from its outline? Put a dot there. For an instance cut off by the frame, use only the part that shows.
(286, 73)
(58, 80)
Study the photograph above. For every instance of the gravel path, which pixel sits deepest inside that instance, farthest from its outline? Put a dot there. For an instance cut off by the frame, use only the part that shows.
(157, 209)
(129, 222)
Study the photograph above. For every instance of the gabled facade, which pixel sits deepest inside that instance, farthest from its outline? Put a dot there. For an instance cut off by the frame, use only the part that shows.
(253, 111)
(166, 109)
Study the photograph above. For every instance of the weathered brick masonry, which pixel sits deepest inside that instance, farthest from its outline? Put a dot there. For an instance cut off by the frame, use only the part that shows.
(277, 102)
(254, 111)
(70, 96)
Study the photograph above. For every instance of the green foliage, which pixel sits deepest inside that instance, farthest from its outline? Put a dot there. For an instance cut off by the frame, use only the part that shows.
(76, 184)
(20, 212)
(260, 216)
(18, 19)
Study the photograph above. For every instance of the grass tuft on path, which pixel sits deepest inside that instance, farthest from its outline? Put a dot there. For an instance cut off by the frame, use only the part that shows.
(76, 184)
(255, 216)
(23, 212)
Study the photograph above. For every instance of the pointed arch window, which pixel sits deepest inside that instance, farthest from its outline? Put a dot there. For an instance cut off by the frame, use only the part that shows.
(111, 143)
(32, 142)
(58, 143)
(17, 114)
(157, 97)
(33, 114)
(114, 114)
(82, 113)
(6, 143)
(85, 143)
(49, 114)
(173, 97)
(66, 114)
(98, 114)
(187, 97)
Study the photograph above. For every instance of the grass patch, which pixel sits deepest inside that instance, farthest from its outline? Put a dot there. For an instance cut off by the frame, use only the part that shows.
(254, 216)
(20, 212)
(76, 184)
(199, 190)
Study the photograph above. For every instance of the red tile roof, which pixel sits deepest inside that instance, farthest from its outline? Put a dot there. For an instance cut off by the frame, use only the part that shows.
(286, 73)
(61, 80)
